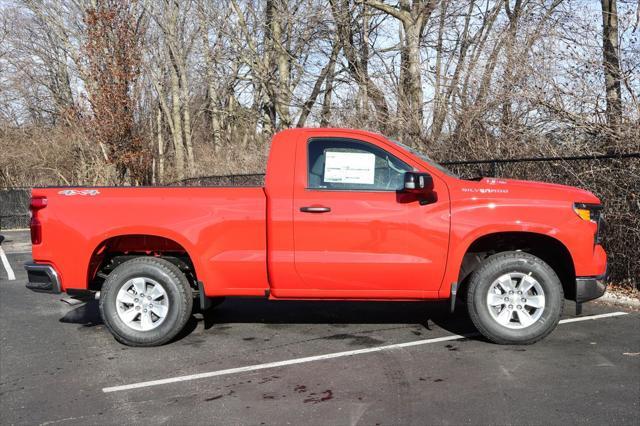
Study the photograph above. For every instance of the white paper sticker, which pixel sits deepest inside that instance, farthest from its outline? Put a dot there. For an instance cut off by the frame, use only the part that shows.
(349, 167)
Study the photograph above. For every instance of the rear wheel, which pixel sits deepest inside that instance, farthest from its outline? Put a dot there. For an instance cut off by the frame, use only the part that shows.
(515, 298)
(145, 301)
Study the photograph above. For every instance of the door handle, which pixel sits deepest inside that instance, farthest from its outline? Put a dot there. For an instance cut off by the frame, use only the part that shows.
(315, 209)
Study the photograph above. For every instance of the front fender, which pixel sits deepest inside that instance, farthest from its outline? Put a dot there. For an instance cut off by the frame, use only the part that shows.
(474, 219)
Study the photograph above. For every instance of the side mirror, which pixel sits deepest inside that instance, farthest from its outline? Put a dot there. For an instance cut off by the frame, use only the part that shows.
(417, 182)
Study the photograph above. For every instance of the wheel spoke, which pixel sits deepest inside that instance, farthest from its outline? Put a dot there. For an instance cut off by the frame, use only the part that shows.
(505, 282)
(535, 301)
(496, 299)
(125, 297)
(145, 321)
(524, 317)
(155, 292)
(526, 283)
(139, 285)
(129, 315)
(504, 316)
(159, 310)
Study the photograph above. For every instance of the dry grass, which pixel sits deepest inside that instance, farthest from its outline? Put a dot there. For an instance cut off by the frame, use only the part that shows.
(51, 156)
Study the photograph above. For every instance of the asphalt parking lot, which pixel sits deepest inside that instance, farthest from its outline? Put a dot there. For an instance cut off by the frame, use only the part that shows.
(57, 360)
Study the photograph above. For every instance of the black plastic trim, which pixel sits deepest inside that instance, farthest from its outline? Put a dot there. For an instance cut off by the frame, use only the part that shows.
(42, 278)
(454, 293)
(589, 288)
(205, 302)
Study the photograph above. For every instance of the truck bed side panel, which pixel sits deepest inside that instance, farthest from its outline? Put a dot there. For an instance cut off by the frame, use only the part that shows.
(222, 229)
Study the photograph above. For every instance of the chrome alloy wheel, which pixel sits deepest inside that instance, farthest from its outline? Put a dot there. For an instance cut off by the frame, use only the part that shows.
(142, 304)
(515, 300)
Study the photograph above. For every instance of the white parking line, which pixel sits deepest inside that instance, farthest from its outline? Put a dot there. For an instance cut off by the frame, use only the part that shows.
(319, 358)
(592, 317)
(7, 265)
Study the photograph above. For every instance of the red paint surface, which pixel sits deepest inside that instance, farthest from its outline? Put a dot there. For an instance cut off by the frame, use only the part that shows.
(372, 245)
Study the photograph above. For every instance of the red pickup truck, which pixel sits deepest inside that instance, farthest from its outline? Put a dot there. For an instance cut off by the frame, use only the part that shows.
(343, 214)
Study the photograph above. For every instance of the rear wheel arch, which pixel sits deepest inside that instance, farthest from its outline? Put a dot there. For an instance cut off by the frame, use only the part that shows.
(549, 249)
(117, 249)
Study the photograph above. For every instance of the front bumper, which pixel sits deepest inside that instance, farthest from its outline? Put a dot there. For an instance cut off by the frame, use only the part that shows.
(42, 278)
(589, 288)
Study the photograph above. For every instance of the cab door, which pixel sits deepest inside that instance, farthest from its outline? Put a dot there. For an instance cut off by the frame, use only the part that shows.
(356, 235)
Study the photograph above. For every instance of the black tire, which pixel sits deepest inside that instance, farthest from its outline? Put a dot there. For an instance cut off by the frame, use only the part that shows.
(519, 263)
(174, 283)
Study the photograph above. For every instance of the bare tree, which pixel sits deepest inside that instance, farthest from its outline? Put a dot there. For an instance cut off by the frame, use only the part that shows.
(171, 20)
(113, 38)
(357, 60)
(325, 74)
(413, 15)
(213, 104)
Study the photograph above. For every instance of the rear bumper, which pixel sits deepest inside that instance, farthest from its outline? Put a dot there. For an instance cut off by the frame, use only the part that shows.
(589, 288)
(42, 278)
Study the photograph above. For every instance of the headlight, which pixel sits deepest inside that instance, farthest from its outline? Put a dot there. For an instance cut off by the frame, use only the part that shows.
(588, 211)
(593, 213)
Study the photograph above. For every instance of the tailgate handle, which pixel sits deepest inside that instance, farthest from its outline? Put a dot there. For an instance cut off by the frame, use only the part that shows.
(315, 209)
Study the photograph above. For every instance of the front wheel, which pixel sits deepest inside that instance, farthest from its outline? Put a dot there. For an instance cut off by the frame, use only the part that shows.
(145, 301)
(515, 298)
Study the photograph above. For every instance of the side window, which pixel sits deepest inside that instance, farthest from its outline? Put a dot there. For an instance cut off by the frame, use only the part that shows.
(349, 164)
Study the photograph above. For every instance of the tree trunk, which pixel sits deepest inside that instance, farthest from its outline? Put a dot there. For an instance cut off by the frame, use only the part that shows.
(439, 103)
(186, 117)
(363, 93)
(611, 63)
(325, 115)
(508, 76)
(283, 95)
(160, 168)
(213, 108)
(306, 108)
(413, 16)
(356, 63)
(413, 83)
(440, 114)
(176, 118)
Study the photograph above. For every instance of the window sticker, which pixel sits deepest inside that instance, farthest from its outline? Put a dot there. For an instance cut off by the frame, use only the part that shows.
(349, 167)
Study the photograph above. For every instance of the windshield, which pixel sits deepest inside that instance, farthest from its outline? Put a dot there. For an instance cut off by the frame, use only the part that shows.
(424, 157)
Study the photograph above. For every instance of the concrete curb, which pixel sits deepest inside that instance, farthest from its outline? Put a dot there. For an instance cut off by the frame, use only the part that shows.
(620, 299)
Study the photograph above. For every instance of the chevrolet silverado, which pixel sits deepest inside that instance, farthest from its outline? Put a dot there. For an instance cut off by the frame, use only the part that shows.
(343, 214)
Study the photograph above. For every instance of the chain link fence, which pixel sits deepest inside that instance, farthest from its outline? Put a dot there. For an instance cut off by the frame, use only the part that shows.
(253, 179)
(14, 208)
(615, 179)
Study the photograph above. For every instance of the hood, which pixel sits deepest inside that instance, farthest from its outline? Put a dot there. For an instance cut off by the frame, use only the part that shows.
(528, 189)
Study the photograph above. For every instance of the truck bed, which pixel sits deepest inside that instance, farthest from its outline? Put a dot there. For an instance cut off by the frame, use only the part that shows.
(225, 226)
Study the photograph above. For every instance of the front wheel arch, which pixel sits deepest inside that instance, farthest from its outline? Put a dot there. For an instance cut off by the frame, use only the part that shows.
(552, 251)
